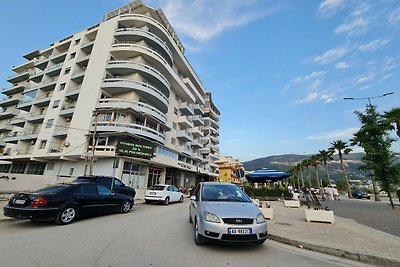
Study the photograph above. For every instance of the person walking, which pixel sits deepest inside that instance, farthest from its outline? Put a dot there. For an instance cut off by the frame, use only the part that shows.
(398, 194)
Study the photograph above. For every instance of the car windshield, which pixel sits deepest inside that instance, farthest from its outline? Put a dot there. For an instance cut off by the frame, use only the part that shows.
(223, 192)
(52, 189)
(157, 187)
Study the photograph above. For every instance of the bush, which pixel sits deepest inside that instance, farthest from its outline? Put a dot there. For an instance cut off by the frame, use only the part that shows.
(267, 191)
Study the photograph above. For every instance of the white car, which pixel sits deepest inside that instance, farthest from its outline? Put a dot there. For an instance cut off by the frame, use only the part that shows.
(163, 193)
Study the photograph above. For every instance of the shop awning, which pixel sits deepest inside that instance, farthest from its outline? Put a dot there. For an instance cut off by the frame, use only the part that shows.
(266, 176)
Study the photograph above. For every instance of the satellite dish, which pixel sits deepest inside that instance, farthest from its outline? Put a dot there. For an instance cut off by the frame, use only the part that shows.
(66, 144)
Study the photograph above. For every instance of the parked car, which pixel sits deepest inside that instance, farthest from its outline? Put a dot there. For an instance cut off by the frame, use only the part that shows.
(163, 193)
(64, 203)
(222, 212)
(358, 193)
(107, 181)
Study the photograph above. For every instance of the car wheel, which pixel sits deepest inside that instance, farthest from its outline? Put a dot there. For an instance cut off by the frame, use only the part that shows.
(181, 199)
(66, 215)
(126, 206)
(198, 238)
(166, 201)
(190, 218)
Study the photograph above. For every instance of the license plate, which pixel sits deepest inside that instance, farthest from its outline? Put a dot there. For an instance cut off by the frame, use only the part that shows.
(19, 201)
(239, 231)
(152, 193)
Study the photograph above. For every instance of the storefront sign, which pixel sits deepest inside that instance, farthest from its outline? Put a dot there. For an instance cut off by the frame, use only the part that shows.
(135, 148)
(185, 166)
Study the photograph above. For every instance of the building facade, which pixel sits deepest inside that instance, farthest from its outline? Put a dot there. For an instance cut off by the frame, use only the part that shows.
(118, 98)
(230, 170)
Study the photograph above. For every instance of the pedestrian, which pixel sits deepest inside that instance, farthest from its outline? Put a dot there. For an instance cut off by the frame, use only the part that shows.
(290, 188)
(330, 193)
(295, 195)
(335, 194)
(398, 193)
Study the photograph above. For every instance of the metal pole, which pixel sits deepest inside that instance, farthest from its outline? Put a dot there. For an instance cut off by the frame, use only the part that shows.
(95, 114)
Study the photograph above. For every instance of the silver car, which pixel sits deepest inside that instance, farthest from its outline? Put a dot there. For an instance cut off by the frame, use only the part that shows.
(222, 212)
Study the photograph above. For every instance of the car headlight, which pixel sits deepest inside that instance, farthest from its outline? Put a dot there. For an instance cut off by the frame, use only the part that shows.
(260, 218)
(211, 217)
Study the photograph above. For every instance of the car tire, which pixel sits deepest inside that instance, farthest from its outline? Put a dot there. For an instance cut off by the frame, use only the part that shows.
(66, 215)
(198, 238)
(190, 218)
(126, 206)
(166, 201)
(181, 199)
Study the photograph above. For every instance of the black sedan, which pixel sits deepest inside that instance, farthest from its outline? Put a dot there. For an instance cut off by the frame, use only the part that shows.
(112, 183)
(64, 203)
(357, 193)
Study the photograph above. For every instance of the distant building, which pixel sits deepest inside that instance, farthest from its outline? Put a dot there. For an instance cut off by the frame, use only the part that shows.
(118, 98)
(230, 170)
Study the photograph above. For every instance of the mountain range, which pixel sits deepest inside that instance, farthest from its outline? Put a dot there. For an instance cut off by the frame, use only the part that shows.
(285, 162)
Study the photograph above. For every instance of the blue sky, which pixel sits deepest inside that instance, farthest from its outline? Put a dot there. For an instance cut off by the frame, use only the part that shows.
(278, 70)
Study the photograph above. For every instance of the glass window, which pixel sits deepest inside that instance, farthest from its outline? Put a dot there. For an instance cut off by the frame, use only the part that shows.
(43, 144)
(56, 104)
(174, 125)
(176, 111)
(89, 189)
(62, 86)
(77, 41)
(67, 70)
(18, 168)
(103, 191)
(173, 141)
(26, 97)
(72, 55)
(49, 123)
(36, 168)
(118, 183)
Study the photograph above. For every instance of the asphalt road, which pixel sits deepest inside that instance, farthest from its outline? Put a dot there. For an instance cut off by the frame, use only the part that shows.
(150, 235)
(370, 213)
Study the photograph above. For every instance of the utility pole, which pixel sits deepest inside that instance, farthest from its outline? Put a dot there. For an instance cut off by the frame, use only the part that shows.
(95, 114)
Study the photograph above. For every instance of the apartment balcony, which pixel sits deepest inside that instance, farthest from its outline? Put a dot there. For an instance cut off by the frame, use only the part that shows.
(10, 101)
(185, 136)
(78, 75)
(196, 144)
(214, 156)
(210, 113)
(196, 131)
(9, 114)
(83, 61)
(136, 34)
(59, 58)
(55, 149)
(126, 67)
(197, 109)
(37, 76)
(129, 50)
(48, 85)
(214, 139)
(197, 156)
(67, 110)
(155, 96)
(197, 120)
(42, 101)
(184, 150)
(54, 70)
(28, 135)
(16, 88)
(184, 122)
(19, 77)
(87, 47)
(131, 128)
(18, 121)
(211, 129)
(12, 137)
(6, 127)
(115, 103)
(185, 109)
(35, 118)
(42, 63)
(60, 132)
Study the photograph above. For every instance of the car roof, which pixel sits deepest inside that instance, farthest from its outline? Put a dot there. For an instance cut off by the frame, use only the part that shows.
(216, 183)
(95, 176)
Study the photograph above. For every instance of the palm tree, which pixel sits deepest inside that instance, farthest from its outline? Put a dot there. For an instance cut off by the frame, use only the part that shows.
(326, 155)
(315, 160)
(301, 166)
(343, 148)
(295, 172)
(394, 117)
(307, 163)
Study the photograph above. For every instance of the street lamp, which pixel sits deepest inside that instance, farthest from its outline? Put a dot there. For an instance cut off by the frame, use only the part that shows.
(369, 98)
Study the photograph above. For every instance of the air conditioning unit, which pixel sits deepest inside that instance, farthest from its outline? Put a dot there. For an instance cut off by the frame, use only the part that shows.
(33, 142)
(68, 119)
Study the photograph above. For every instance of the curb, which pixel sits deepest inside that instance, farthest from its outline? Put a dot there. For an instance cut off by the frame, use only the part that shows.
(356, 256)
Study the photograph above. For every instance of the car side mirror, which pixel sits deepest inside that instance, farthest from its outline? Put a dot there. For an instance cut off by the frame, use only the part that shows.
(112, 194)
(193, 198)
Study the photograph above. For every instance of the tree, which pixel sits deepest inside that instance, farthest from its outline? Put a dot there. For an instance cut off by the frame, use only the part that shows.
(343, 148)
(393, 116)
(374, 138)
(326, 155)
(307, 163)
(315, 160)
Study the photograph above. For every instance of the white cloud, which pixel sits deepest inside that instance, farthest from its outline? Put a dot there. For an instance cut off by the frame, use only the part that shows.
(330, 55)
(336, 134)
(341, 65)
(311, 97)
(329, 6)
(315, 96)
(314, 85)
(394, 17)
(374, 45)
(386, 77)
(358, 25)
(202, 20)
(360, 10)
(312, 75)
(366, 78)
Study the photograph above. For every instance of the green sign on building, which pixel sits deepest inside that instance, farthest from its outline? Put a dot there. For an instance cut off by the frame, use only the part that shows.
(135, 148)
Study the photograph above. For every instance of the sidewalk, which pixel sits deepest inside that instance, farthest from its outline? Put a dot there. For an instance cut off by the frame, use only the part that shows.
(344, 238)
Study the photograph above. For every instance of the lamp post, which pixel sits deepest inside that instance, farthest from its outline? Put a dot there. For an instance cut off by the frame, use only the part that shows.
(369, 98)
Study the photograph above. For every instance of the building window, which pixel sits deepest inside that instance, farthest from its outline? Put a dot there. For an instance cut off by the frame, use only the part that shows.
(50, 166)
(71, 171)
(43, 144)
(77, 41)
(36, 168)
(177, 98)
(41, 111)
(62, 86)
(49, 123)
(56, 103)
(176, 111)
(18, 168)
(67, 70)
(173, 141)
(5, 168)
(174, 125)
(72, 56)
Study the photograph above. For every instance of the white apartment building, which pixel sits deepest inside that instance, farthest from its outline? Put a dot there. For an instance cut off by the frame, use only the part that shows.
(118, 98)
